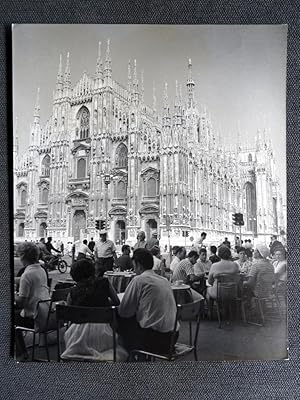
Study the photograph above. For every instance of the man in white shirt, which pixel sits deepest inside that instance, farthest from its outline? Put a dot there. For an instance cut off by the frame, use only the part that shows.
(105, 254)
(83, 249)
(179, 255)
(148, 309)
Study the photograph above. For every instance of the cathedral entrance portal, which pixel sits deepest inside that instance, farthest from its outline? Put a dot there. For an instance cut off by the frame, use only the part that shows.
(43, 230)
(79, 223)
(151, 226)
(120, 232)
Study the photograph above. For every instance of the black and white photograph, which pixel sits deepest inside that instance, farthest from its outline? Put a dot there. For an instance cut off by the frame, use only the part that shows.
(149, 192)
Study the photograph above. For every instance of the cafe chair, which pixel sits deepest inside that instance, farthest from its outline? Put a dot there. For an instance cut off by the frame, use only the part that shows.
(227, 296)
(45, 306)
(267, 298)
(185, 313)
(82, 315)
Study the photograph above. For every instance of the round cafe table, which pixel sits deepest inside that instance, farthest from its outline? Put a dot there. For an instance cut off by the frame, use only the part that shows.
(119, 279)
(182, 293)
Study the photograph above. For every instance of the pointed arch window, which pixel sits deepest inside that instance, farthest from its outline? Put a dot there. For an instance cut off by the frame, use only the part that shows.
(81, 168)
(46, 166)
(44, 196)
(84, 123)
(151, 187)
(23, 197)
(121, 156)
(21, 229)
(121, 190)
(250, 157)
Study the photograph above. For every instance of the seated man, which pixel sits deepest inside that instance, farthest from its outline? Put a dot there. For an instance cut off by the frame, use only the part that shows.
(243, 263)
(33, 288)
(148, 309)
(201, 269)
(180, 254)
(213, 257)
(184, 270)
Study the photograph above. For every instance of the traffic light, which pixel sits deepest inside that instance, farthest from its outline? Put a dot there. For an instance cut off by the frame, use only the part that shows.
(102, 224)
(237, 219)
(240, 219)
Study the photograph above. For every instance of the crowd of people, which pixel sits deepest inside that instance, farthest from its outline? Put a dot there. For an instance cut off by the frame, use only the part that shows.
(147, 309)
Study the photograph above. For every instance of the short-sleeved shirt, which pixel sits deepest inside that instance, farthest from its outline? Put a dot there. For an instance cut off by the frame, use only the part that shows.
(83, 248)
(245, 266)
(33, 286)
(263, 272)
(183, 270)
(150, 299)
(156, 263)
(105, 249)
(202, 267)
(174, 262)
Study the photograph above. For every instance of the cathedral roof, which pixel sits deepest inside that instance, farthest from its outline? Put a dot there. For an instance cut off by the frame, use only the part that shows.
(83, 87)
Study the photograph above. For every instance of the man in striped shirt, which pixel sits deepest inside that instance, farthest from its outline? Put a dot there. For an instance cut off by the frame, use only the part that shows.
(184, 270)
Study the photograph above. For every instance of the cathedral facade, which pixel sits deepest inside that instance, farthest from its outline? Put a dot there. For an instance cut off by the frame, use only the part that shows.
(104, 154)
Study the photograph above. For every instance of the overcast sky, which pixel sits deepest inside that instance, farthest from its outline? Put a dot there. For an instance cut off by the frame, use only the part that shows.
(239, 71)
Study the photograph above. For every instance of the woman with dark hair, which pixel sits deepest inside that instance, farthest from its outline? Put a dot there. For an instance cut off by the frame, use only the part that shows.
(91, 341)
(225, 266)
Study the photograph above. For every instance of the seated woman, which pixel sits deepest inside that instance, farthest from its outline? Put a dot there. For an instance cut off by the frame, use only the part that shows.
(280, 269)
(91, 341)
(261, 275)
(225, 266)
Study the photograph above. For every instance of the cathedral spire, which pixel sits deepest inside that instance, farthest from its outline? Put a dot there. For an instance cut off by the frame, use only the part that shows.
(99, 68)
(154, 105)
(166, 116)
(108, 69)
(16, 137)
(59, 80)
(190, 86)
(142, 86)
(129, 77)
(67, 77)
(36, 115)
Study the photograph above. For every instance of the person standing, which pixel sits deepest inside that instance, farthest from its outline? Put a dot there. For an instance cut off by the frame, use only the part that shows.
(199, 243)
(227, 243)
(91, 245)
(153, 241)
(83, 250)
(141, 242)
(105, 254)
